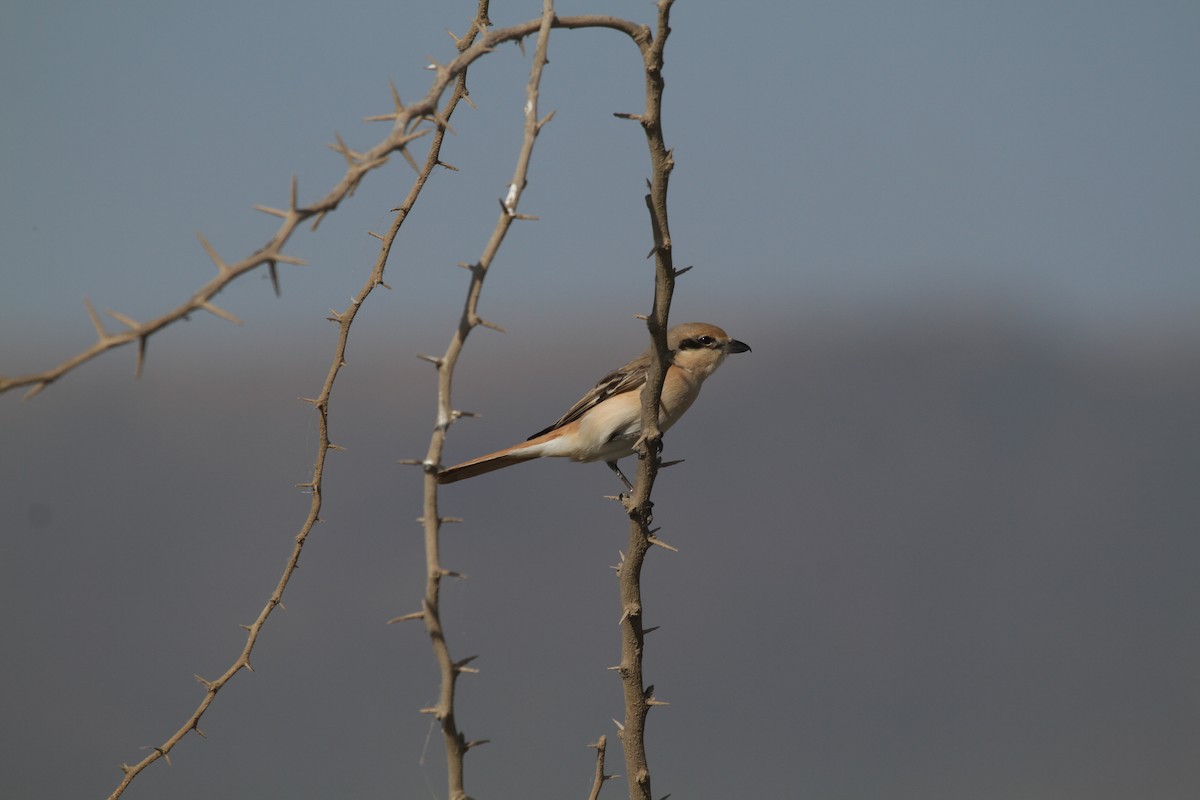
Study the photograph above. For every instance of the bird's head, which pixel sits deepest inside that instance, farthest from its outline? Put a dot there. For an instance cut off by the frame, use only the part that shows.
(699, 347)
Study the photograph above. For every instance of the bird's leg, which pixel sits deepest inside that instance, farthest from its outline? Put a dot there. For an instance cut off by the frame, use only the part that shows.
(613, 466)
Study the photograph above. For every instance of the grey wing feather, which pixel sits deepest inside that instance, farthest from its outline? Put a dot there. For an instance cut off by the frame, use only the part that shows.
(626, 379)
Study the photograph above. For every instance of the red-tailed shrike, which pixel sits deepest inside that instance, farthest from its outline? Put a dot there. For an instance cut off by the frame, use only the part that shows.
(605, 424)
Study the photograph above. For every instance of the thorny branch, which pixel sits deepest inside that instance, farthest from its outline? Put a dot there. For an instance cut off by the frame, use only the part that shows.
(404, 119)
(455, 742)
(344, 321)
(639, 697)
(600, 778)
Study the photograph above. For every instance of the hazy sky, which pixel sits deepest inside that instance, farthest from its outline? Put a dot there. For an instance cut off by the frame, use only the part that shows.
(1041, 152)
(937, 531)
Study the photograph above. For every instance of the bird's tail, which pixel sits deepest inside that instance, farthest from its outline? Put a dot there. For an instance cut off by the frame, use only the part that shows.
(488, 463)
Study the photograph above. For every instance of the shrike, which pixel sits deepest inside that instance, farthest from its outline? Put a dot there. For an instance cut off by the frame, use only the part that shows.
(606, 423)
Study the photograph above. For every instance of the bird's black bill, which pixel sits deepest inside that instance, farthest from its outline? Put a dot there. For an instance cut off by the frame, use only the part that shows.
(737, 347)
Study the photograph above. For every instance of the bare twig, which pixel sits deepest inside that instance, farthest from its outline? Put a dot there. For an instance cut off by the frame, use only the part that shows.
(600, 779)
(404, 119)
(639, 698)
(455, 743)
(314, 486)
(359, 165)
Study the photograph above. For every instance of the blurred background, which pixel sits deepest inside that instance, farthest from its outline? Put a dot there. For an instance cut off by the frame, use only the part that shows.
(938, 532)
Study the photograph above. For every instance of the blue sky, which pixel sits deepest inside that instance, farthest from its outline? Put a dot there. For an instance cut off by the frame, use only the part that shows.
(1041, 155)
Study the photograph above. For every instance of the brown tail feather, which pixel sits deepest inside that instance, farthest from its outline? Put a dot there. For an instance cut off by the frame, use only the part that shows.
(478, 466)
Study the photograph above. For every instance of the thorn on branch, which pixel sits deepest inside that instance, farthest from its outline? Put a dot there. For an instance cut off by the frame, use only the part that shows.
(412, 162)
(660, 543)
(395, 115)
(222, 267)
(96, 321)
(440, 121)
(141, 355)
(542, 122)
(450, 167)
(485, 323)
(435, 360)
(407, 617)
(207, 684)
(273, 271)
(679, 272)
(128, 322)
(35, 391)
(217, 311)
(475, 743)
(274, 212)
(621, 115)
(461, 666)
(299, 262)
(352, 158)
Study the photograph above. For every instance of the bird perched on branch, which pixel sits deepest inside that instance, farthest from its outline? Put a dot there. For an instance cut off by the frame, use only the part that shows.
(606, 423)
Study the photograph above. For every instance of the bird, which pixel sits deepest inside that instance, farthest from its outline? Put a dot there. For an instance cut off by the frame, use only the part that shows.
(606, 422)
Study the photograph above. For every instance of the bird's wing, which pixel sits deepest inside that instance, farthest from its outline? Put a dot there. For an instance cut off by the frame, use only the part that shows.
(626, 379)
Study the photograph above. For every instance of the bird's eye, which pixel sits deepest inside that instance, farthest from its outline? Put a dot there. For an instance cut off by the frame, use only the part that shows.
(706, 341)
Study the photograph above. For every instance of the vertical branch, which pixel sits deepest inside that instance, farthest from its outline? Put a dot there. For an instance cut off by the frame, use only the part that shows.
(455, 742)
(600, 778)
(315, 486)
(639, 697)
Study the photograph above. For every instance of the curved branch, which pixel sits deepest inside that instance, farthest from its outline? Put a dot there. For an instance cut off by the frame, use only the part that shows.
(455, 743)
(344, 321)
(358, 165)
